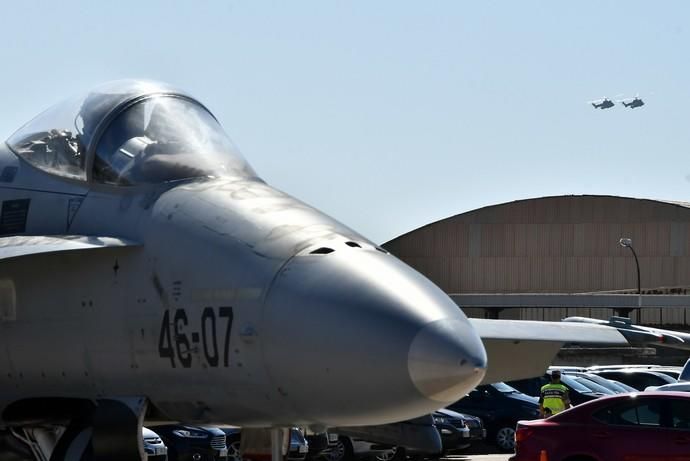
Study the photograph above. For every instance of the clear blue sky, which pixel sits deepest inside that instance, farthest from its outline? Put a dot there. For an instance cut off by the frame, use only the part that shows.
(389, 115)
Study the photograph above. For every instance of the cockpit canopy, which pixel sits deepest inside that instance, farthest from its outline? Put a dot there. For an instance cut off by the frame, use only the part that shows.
(127, 133)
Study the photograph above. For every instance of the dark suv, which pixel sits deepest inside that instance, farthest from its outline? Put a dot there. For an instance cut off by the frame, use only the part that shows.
(193, 443)
(500, 407)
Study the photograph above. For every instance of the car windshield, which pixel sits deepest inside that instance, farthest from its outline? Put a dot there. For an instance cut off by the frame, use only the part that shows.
(574, 385)
(600, 380)
(622, 386)
(594, 387)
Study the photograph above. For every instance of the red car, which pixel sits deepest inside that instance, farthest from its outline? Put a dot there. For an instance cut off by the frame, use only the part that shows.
(649, 426)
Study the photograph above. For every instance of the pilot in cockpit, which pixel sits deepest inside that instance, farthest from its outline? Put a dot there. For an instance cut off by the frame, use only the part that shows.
(129, 133)
(61, 143)
(146, 144)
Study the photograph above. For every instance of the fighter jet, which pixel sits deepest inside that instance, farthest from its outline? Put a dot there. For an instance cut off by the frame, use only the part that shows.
(147, 273)
(603, 103)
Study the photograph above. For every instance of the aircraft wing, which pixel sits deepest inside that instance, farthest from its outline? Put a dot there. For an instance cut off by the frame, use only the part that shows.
(25, 245)
(638, 334)
(519, 349)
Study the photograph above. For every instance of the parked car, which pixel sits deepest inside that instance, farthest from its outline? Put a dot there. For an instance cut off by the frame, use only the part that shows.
(623, 385)
(614, 386)
(654, 426)
(670, 369)
(594, 386)
(233, 439)
(322, 445)
(476, 427)
(193, 443)
(154, 448)
(618, 367)
(683, 386)
(299, 447)
(638, 378)
(673, 372)
(578, 393)
(350, 448)
(455, 435)
(500, 407)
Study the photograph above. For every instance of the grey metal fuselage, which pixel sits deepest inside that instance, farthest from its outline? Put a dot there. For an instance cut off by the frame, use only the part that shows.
(222, 312)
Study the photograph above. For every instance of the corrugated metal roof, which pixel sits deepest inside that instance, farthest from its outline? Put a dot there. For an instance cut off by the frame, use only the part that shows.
(672, 202)
(684, 205)
(554, 244)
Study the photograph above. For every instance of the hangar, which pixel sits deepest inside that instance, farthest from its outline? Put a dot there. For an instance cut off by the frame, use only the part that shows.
(560, 245)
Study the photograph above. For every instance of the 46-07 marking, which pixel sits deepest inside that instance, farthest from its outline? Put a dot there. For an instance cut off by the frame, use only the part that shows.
(174, 344)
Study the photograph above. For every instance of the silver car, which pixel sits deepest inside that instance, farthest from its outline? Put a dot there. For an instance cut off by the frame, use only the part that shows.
(154, 447)
(352, 449)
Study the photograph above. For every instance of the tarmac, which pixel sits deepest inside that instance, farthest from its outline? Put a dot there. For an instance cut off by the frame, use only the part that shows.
(479, 452)
(501, 457)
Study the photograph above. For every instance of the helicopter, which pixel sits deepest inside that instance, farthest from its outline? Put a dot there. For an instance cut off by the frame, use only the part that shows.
(603, 103)
(632, 103)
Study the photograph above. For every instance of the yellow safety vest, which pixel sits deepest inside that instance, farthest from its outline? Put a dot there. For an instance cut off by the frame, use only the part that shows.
(553, 396)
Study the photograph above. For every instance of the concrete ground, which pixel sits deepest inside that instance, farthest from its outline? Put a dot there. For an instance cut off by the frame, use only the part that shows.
(496, 457)
(479, 452)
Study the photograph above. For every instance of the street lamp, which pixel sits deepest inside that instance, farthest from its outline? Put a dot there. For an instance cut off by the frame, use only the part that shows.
(627, 243)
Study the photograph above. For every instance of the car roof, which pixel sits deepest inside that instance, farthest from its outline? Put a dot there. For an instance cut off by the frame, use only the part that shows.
(602, 401)
(632, 366)
(644, 394)
(146, 432)
(679, 385)
(450, 413)
(628, 371)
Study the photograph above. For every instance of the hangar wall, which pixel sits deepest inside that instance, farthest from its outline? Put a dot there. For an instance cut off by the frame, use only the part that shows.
(563, 244)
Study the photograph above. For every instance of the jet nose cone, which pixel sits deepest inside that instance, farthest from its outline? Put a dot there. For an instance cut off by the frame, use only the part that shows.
(356, 337)
(443, 357)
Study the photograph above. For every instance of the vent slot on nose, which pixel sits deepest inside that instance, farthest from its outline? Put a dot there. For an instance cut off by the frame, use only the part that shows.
(353, 244)
(322, 251)
(381, 250)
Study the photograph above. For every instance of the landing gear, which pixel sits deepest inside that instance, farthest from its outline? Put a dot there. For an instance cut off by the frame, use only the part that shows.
(277, 444)
(78, 430)
(259, 441)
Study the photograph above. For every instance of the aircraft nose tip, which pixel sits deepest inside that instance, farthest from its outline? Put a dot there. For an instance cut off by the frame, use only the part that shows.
(382, 342)
(443, 357)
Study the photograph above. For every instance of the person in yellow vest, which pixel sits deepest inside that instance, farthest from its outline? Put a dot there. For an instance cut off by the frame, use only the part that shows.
(554, 396)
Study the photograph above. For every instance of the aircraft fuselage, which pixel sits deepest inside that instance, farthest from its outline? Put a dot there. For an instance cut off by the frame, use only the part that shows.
(234, 303)
(148, 274)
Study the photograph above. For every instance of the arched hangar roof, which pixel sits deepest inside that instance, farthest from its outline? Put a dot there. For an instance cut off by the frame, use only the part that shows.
(553, 244)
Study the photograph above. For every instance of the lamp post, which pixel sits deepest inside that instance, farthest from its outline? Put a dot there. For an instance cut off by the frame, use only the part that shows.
(627, 243)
